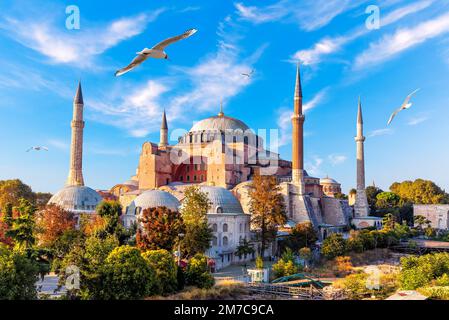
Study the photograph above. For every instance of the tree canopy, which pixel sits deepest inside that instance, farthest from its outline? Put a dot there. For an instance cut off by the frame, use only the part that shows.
(420, 192)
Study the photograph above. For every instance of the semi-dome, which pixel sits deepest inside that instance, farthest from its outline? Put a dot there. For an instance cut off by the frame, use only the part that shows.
(223, 201)
(153, 199)
(78, 199)
(328, 180)
(219, 123)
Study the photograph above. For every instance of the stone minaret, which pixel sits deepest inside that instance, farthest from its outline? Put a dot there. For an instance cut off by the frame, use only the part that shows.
(361, 207)
(163, 140)
(298, 137)
(76, 148)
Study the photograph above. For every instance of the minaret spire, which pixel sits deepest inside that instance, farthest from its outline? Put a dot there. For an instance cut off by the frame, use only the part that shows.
(298, 136)
(361, 207)
(75, 177)
(163, 141)
(221, 114)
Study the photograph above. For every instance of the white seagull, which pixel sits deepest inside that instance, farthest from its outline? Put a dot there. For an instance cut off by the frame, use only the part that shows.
(156, 52)
(246, 74)
(405, 105)
(37, 149)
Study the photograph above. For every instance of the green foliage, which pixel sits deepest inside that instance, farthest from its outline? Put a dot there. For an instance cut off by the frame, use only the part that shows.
(110, 212)
(371, 195)
(244, 248)
(259, 262)
(387, 200)
(164, 266)
(420, 271)
(127, 275)
(267, 209)
(302, 235)
(198, 234)
(443, 280)
(18, 275)
(305, 254)
(286, 266)
(197, 273)
(23, 227)
(11, 191)
(334, 246)
(435, 293)
(420, 192)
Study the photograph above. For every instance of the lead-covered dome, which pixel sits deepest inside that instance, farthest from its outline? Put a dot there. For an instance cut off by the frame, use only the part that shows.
(219, 123)
(153, 199)
(223, 201)
(78, 199)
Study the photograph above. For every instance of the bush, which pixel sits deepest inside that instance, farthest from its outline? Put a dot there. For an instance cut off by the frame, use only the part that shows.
(334, 246)
(437, 293)
(164, 266)
(259, 262)
(284, 268)
(343, 265)
(443, 280)
(127, 274)
(420, 271)
(18, 276)
(197, 273)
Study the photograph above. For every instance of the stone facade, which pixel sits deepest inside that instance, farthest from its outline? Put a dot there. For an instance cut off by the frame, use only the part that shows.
(437, 214)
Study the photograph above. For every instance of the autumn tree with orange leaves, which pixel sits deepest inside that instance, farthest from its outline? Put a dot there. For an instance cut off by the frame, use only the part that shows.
(52, 222)
(158, 228)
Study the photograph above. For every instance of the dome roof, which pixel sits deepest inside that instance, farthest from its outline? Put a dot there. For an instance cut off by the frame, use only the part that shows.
(153, 199)
(131, 183)
(76, 199)
(328, 180)
(217, 123)
(222, 198)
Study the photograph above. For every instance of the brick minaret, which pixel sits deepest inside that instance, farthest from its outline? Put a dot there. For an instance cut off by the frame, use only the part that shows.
(298, 137)
(76, 149)
(163, 139)
(361, 207)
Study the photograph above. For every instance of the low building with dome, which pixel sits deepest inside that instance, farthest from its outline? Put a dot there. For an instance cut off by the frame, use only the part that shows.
(330, 186)
(75, 196)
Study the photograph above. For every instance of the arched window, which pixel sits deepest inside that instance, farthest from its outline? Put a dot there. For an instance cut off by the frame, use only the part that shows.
(214, 241)
(225, 241)
(214, 227)
(225, 227)
(220, 210)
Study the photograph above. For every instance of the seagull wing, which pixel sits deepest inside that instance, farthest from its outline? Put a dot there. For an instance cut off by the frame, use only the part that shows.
(393, 115)
(407, 99)
(136, 61)
(30, 149)
(161, 45)
(45, 148)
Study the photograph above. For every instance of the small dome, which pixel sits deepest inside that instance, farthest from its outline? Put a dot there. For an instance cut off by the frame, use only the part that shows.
(223, 201)
(218, 123)
(76, 199)
(153, 199)
(133, 183)
(328, 180)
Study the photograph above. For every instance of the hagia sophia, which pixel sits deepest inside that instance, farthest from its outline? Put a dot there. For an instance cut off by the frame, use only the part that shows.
(221, 155)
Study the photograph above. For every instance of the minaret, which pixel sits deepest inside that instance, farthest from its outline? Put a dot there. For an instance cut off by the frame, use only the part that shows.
(221, 113)
(163, 140)
(76, 148)
(361, 207)
(297, 136)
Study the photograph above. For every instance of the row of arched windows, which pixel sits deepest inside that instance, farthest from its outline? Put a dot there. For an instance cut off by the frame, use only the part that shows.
(242, 227)
(225, 241)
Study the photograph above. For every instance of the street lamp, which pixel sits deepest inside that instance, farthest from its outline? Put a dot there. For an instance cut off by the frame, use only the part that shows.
(180, 235)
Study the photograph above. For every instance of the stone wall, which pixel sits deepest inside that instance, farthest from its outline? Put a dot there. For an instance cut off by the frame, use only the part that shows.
(438, 214)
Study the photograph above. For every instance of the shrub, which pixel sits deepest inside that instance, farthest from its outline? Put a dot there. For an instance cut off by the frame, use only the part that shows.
(127, 274)
(343, 265)
(334, 246)
(437, 293)
(18, 276)
(443, 280)
(420, 271)
(259, 262)
(197, 273)
(164, 266)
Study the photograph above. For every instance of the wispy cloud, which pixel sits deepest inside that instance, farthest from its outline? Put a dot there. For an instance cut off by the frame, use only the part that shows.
(284, 117)
(394, 44)
(77, 47)
(380, 132)
(330, 45)
(336, 159)
(418, 120)
(58, 144)
(313, 166)
(309, 14)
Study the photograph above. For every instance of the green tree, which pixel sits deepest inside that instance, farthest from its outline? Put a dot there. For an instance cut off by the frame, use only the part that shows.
(306, 255)
(267, 209)
(371, 195)
(302, 235)
(420, 221)
(164, 266)
(387, 200)
(110, 212)
(23, 226)
(159, 229)
(420, 192)
(197, 273)
(334, 245)
(340, 196)
(127, 275)
(244, 248)
(11, 191)
(18, 276)
(198, 234)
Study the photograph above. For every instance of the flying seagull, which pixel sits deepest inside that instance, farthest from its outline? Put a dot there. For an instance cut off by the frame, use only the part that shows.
(156, 52)
(246, 74)
(405, 105)
(37, 149)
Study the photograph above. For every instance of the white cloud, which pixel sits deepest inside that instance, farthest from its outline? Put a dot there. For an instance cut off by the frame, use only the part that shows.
(336, 159)
(330, 45)
(418, 120)
(392, 45)
(58, 144)
(77, 47)
(309, 14)
(380, 132)
(313, 166)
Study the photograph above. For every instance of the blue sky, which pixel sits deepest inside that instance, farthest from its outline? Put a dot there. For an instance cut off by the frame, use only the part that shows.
(41, 62)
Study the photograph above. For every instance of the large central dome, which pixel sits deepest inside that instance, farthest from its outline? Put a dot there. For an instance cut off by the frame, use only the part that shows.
(219, 123)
